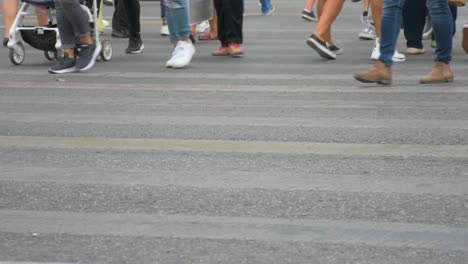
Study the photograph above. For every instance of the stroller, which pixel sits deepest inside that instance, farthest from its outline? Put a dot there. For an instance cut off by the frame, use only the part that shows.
(47, 38)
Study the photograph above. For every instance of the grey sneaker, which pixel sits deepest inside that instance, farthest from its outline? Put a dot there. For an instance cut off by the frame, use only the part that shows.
(368, 33)
(87, 55)
(64, 65)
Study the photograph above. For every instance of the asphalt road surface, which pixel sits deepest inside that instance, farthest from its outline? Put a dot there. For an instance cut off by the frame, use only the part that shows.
(276, 157)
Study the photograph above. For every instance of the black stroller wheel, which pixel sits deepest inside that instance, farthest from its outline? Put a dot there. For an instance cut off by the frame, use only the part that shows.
(17, 54)
(50, 55)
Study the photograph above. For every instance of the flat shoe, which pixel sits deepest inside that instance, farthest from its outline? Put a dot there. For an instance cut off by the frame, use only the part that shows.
(207, 36)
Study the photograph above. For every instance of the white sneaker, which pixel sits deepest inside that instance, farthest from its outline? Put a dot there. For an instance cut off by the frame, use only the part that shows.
(164, 30)
(106, 23)
(375, 55)
(203, 26)
(182, 55)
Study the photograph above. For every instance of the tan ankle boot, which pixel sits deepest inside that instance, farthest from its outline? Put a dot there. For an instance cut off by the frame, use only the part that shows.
(440, 73)
(379, 73)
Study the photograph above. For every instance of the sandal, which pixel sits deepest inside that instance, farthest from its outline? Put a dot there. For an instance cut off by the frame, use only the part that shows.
(207, 36)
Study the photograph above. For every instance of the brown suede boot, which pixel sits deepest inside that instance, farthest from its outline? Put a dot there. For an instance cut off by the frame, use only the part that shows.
(440, 74)
(379, 73)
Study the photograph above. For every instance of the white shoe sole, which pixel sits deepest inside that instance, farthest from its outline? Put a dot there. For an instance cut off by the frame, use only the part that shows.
(323, 52)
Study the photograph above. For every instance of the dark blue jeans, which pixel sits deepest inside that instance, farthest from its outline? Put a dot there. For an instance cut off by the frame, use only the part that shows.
(442, 24)
(414, 17)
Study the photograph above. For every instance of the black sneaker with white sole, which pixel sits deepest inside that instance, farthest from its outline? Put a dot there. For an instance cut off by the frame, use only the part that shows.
(321, 47)
(309, 16)
(135, 45)
(87, 55)
(337, 50)
(64, 65)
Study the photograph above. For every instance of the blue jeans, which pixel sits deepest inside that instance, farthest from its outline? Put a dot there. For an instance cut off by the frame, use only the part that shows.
(177, 16)
(266, 6)
(442, 24)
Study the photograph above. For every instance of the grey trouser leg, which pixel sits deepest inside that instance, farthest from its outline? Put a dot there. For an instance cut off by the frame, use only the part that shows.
(72, 22)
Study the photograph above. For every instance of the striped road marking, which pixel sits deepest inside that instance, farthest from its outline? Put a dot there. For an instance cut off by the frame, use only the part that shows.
(222, 146)
(239, 228)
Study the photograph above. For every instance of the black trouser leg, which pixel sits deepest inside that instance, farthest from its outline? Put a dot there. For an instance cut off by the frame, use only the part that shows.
(230, 18)
(119, 18)
(414, 17)
(132, 9)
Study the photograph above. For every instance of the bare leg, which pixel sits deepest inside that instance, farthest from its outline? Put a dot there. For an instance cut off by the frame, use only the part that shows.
(9, 8)
(214, 25)
(329, 10)
(377, 9)
(309, 5)
(42, 19)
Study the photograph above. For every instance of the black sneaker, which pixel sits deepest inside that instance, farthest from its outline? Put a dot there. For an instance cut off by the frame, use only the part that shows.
(5, 42)
(337, 50)
(309, 16)
(64, 65)
(135, 45)
(87, 55)
(120, 33)
(321, 47)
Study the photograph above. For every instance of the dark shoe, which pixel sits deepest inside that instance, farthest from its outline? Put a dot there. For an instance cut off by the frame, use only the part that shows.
(120, 34)
(441, 73)
(309, 16)
(465, 38)
(5, 42)
(192, 39)
(135, 46)
(87, 55)
(64, 65)
(379, 73)
(321, 47)
(337, 50)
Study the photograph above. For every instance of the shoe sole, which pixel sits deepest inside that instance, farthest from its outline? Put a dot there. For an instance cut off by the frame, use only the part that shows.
(308, 18)
(415, 52)
(93, 58)
(385, 82)
(136, 51)
(434, 82)
(324, 54)
(69, 70)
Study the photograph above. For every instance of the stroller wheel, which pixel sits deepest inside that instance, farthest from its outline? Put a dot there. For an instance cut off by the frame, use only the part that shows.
(106, 51)
(17, 54)
(50, 55)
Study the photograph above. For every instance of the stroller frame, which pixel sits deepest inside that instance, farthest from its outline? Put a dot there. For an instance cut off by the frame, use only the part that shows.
(16, 48)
